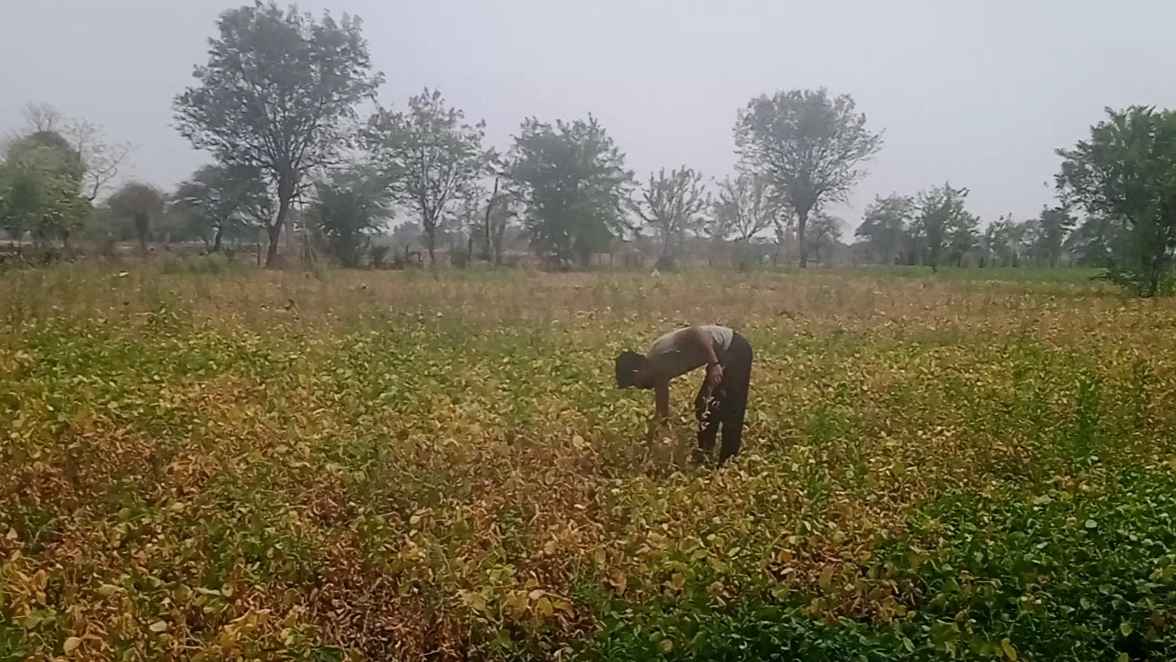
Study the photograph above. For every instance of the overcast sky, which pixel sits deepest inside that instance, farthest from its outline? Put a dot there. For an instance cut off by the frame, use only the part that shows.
(979, 93)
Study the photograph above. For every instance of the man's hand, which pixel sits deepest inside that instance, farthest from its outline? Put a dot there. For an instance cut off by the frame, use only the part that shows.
(714, 375)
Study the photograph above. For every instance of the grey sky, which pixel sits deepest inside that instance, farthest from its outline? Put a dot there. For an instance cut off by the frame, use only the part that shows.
(978, 93)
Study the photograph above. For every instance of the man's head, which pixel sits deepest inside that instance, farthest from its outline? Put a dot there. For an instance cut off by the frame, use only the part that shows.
(628, 364)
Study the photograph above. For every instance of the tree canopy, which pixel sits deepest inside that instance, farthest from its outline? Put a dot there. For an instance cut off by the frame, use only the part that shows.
(141, 204)
(671, 204)
(1125, 175)
(810, 147)
(571, 182)
(278, 94)
(430, 155)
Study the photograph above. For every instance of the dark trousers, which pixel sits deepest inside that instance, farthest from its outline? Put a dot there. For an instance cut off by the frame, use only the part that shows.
(727, 405)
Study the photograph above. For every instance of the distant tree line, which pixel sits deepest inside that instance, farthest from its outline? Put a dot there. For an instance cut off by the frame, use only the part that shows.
(277, 107)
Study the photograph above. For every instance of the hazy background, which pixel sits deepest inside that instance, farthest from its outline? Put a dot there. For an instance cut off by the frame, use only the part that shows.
(977, 93)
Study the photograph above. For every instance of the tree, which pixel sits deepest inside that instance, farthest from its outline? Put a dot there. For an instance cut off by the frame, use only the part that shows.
(433, 155)
(745, 205)
(943, 224)
(824, 235)
(885, 223)
(571, 182)
(1090, 242)
(808, 145)
(1126, 173)
(716, 229)
(98, 161)
(464, 223)
(671, 204)
(1003, 241)
(1053, 227)
(141, 204)
(278, 94)
(963, 236)
(348, 208)
(40, 188)
(224, 201)
(499, 213)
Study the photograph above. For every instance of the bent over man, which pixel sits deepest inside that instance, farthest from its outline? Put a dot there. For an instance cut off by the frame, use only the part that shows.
(722, 399)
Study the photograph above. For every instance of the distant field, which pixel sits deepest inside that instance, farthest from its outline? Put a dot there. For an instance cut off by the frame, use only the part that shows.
(975, 465)
(1015, 274)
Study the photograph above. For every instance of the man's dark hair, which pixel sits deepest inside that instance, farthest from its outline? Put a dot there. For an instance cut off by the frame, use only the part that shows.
(628, 363)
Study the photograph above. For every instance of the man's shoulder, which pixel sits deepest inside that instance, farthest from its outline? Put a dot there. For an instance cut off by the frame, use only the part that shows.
(664, 343)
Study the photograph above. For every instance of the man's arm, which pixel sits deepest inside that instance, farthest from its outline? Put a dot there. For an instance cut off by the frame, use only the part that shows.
(661, 391)
(696, 338)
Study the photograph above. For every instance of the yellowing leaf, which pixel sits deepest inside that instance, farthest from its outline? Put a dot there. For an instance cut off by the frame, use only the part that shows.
(616, 579)
(826, 579)
(71, 644)
(1009, 651)
(476, 601)
(516, 603)
(158, 627)
(545, 608)
(677, 581)
(666, 645)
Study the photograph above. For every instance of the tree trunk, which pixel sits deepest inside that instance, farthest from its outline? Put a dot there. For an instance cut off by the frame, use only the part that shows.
(499, 234)
(274, 229)
(141, 230)
(801, 222)
(218, 239)
(489, 209)
(429, 225)
(274, 233)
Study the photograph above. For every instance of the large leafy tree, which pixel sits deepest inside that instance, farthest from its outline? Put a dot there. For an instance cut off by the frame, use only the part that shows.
(884, 225)
(221, 201)
(943, 225)
(810, 146)
(278, 94)
(824, 234)
(348, 208)
(1125, 175)
(670, 204)
(1004, 241)
(433, 155)
(41, 181)
(571, 182)
(94, 159)
(1053, 227)
(141, 204)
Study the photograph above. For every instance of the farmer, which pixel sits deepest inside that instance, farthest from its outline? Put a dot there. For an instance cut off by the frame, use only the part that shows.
(723, 396)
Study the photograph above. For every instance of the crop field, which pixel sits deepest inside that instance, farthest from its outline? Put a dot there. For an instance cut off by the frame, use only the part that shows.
(399, 466)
